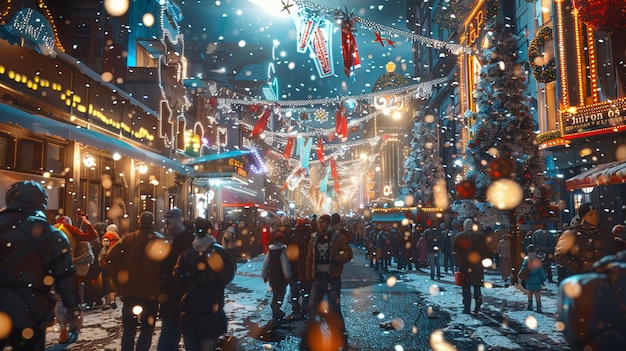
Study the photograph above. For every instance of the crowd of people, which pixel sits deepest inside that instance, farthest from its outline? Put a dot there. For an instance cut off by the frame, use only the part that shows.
(179, 275)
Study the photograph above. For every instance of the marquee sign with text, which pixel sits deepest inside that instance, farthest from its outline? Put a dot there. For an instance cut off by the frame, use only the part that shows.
(603, 117)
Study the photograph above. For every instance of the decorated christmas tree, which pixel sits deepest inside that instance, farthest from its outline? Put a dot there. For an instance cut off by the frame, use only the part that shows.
(422, 168)
(502, 158)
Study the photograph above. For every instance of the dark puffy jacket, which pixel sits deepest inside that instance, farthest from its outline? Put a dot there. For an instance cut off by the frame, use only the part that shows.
(169, 309)
(203, 271)
(467, 245)
(35, 255)
(595, 318)
(134, 273)
(580, 247)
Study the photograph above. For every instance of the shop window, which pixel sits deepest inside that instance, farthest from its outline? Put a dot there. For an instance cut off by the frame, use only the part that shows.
(55, 158)
(7, 151)
(30, 155)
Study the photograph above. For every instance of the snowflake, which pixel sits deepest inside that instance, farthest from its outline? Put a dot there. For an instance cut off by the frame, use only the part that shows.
(321, 115)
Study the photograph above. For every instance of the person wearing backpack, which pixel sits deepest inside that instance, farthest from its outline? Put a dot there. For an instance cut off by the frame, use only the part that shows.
(82, 258)
(533, 274)
(203, 271)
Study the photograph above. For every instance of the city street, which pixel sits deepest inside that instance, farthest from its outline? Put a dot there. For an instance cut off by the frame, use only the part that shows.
(414, 313)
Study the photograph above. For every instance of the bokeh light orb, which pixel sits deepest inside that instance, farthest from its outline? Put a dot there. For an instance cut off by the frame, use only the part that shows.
(158, 249)
(148, 19)
(5, 325)
(116, 8)
(293, 253)
(429, 118)
(620, 152)
(215, 262)
(392, 281)
(505, 194)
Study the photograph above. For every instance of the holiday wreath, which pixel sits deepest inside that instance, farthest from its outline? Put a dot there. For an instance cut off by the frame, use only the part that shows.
(544, 72)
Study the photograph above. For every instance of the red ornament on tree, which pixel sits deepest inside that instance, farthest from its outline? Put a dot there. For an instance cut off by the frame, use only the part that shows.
(254, 108)
(213, 101)
(501, 168)
(466, 190)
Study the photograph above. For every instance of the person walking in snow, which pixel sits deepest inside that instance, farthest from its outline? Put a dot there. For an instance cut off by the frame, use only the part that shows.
(136, 272)
(277, 271)
(469, 246)
(533, 273)
(34, 254)
(328, 252)
(109, 239)
(179, 236)
(203, 271)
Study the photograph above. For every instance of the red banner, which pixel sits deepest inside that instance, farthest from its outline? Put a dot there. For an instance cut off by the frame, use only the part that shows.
(320, 150)
(289, 147)
(261, 123)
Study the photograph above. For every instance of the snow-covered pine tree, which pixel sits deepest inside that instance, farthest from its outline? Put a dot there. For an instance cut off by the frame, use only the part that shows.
(502, 128)
(422, 168)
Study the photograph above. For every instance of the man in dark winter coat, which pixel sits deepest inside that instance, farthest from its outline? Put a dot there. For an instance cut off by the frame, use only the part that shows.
(277, 271)
(328, 252)
(434, 246)
(469, 246)
(134, 264)
(203, 271)
(544, 245)
(180, 238)
(35, 255)
(579, 247)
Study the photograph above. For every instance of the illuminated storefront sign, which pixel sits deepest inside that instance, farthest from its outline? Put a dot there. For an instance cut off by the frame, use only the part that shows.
(33, 26)
(63, 87)
(600, 118)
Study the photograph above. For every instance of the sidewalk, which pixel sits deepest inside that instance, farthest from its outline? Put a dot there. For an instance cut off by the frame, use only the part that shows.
(503, 323)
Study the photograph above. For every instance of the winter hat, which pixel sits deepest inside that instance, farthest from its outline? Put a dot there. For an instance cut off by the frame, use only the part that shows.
(531, 248)
(112, 236)
(146, 219)
(64, 220)
(335, 218)
(324, 218)
(585, 208)
(112, 228)
(175, 212)
(203, 226)
(279, 237)
(27, 196)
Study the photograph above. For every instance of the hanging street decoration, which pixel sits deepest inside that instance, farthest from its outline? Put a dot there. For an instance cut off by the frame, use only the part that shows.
(391, 42)
(286, 6)
(287, 152)
(341, 123)
(321, 115)
(314, 34)
(349, 49)
(259, 127)
(379, 39)
(320, 150)
(466, 190)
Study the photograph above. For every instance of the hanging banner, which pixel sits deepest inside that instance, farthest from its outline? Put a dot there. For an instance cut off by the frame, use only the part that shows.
(306, 23)
(333, 168)
(321, 46)
(320, 150)
(341, 123)
(306, 152)
(259, 127)
(289, 147)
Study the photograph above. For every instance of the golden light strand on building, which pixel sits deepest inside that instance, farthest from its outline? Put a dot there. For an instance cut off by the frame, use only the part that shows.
(580, 64)
(593, 72)
(562, 60)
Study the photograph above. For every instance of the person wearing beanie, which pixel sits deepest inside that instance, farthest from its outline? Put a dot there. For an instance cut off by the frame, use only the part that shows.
(203, 271)
(277, 271)
(582, 244)
(135, 266)
(109, 239)
(532, 274)
(26, 290)
(327, 253)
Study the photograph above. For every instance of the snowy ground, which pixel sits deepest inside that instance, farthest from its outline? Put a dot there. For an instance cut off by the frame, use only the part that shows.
(502, 319)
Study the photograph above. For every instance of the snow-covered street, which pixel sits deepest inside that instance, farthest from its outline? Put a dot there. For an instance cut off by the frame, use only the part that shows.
(377, 316)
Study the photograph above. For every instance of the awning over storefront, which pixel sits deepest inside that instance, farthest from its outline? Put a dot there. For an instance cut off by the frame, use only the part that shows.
(604, 174)
(41, 125)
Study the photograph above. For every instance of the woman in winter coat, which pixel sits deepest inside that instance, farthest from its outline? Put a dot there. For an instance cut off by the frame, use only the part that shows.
(536, 277)
(109, 239)
(203, 271)
(277, 270)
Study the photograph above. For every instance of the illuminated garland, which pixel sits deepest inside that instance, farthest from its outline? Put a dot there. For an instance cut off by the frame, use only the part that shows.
(381, 28)
(547, 72)
(419, 91)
